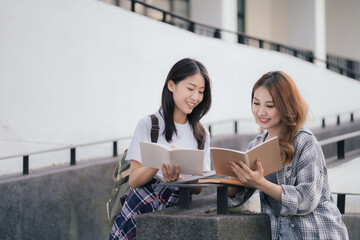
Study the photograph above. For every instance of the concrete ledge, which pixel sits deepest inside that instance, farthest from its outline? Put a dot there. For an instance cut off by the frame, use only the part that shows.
(202, 222)
(352, 222)
(58, 203)
(69, 203)
(161, 225)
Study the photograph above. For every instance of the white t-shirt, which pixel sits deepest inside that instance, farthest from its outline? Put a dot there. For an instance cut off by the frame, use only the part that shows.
(183, 139)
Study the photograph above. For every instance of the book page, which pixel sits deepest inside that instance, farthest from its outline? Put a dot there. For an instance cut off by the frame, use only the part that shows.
(221, 158)
(190, 161)
(153, 154)
(269, 154)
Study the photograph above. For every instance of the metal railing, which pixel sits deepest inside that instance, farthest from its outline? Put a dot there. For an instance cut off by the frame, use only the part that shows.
(338, 118)
(71, 148)
(340, 148)
(204, 29)
(352, 66)
(235, 123)
(341, 200)
(340, 142)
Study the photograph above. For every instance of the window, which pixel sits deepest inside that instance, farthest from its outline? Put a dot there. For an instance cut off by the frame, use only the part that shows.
(241, 16)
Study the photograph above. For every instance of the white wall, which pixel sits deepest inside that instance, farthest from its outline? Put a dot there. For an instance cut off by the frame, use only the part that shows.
(268, 19)
(342, 32)
(216, 13)
(289, 22)
(202, 11)
(302, 24)
(292, 22)
(80, 71)
(258, 19)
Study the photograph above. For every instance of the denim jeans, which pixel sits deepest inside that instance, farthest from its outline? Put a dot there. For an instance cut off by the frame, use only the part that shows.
(285, 229)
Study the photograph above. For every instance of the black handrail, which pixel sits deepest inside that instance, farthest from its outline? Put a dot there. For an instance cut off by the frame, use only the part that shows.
(323, 121)
(349, 64)
(340, 147)
(199, 28)
(72, 149)
(338, 118)
(341, 70)
(192, 24)
(341, 200)
(114, 141)
(235, 121)
(340, 142)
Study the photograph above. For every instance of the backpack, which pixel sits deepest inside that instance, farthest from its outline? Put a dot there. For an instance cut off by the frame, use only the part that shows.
(121, 173)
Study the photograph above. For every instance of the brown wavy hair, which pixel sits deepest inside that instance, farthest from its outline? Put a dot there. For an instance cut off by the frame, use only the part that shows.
(291, 107)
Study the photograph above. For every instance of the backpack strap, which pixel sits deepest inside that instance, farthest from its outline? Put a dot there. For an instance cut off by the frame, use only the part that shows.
(154, 128)
(118, 173)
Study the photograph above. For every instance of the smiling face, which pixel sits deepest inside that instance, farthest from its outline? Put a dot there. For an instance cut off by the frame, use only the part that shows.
(264, 111)
(187, 94)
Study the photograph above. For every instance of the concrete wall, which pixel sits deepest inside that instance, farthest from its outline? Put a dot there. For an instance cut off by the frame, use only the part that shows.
(180, 224)
(201, 222)
(69, 203)
(60, 203)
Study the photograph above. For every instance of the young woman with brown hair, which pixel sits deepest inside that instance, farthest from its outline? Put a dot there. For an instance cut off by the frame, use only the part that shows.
(297, 198)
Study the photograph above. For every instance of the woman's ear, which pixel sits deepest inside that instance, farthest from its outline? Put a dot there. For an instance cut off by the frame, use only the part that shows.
(171, 85)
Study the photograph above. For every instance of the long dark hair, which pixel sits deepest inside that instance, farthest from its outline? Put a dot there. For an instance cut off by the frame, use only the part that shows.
(291, 107)
(181, 70)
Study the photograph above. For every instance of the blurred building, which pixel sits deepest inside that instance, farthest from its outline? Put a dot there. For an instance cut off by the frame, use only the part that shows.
(327, 28)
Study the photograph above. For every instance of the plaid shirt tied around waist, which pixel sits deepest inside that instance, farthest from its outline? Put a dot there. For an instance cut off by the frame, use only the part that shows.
(145, 199)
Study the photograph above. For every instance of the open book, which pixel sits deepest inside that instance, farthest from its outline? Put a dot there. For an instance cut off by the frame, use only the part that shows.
(190, 161)
(268, 152)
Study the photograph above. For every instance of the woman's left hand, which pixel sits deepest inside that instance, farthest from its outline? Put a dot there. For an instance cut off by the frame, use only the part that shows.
(168, 174)
(246, 175)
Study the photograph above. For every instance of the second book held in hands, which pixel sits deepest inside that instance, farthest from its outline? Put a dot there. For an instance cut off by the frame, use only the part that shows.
(268, 153)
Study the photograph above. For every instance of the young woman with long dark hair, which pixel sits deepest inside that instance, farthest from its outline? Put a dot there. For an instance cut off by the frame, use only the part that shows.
(186, 98)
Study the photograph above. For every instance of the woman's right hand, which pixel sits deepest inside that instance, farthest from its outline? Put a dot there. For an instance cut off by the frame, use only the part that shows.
(168, 174)
(247, 176)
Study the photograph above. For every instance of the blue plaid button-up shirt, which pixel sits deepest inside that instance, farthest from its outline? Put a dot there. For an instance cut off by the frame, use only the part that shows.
(306, 197)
